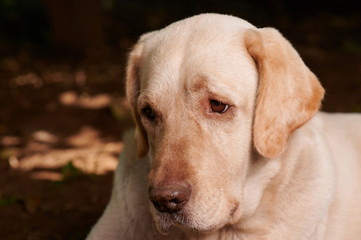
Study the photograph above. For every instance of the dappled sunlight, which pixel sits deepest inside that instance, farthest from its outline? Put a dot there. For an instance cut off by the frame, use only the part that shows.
(85, 150)
(9, 141)
(71, 98)
(61, 115)
(57, 77)
(47, 175)
(98, 159)
(27, 79)
(45, 137)
(86, 136)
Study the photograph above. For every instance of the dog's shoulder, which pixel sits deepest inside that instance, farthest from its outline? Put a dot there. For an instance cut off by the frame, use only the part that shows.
(345, 127)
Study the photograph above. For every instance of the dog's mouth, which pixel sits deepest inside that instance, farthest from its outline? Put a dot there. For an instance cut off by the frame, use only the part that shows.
(166, 221)
(179, 212)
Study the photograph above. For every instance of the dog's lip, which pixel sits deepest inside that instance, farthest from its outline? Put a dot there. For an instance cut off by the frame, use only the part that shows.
(233, 211)
(180, 221)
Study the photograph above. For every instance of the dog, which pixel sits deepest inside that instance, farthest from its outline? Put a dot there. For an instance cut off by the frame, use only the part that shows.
(229, 142)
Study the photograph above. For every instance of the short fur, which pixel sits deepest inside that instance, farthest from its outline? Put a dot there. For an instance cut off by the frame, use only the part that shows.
(271, 167)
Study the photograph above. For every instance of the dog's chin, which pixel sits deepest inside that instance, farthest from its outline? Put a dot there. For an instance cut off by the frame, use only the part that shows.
(184, 221)
(165, 222)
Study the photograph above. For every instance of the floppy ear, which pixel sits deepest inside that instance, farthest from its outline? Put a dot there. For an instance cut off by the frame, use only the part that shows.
(289, 94)
(133, 82)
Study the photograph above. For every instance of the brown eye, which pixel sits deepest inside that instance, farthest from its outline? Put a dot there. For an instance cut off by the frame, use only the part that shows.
(148, 113)
(218, 107)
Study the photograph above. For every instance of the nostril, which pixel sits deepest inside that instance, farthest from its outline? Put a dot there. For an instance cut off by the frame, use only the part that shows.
(176, 200)
(170, 199)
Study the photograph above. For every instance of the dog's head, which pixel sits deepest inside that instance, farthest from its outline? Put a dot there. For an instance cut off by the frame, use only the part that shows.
(215, 101)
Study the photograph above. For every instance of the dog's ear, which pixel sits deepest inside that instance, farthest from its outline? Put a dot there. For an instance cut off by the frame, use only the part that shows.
(289, 94)
(133, 82)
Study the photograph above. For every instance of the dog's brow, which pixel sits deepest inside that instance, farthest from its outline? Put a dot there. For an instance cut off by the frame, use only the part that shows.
(198, 83)
(144, 98)
(204, 83)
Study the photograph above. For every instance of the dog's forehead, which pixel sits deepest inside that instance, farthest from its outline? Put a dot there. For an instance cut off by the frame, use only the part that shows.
(187, 52)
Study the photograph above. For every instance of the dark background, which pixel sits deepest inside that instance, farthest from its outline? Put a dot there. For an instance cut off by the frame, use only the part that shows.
(62, 106)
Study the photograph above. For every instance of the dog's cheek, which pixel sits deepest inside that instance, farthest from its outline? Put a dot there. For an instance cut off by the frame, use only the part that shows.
(151, 152)
(217, 196)
(239, 159)
(154, 139)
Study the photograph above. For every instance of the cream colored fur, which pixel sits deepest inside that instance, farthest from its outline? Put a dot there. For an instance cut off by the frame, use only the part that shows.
(269, 168)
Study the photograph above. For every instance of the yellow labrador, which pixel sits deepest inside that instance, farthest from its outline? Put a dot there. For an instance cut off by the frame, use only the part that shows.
(229, 143)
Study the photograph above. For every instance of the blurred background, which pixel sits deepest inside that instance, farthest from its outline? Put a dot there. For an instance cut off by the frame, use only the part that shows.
(62, 105)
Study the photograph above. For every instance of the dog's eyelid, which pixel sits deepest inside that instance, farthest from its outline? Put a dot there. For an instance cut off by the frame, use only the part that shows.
(219, 97)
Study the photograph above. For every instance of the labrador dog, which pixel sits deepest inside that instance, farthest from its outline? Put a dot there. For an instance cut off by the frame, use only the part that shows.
(229, 143)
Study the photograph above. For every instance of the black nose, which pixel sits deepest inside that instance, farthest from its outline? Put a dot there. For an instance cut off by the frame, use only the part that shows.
(170, 198)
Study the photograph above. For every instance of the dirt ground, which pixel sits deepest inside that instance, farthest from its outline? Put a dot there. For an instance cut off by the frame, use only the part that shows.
(61, 126)
(60, 138)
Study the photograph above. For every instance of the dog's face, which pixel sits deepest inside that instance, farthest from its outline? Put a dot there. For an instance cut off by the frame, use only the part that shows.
(214, 99)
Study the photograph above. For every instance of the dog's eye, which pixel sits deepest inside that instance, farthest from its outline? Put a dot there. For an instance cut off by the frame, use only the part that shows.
(148, 113)
(217, 106)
